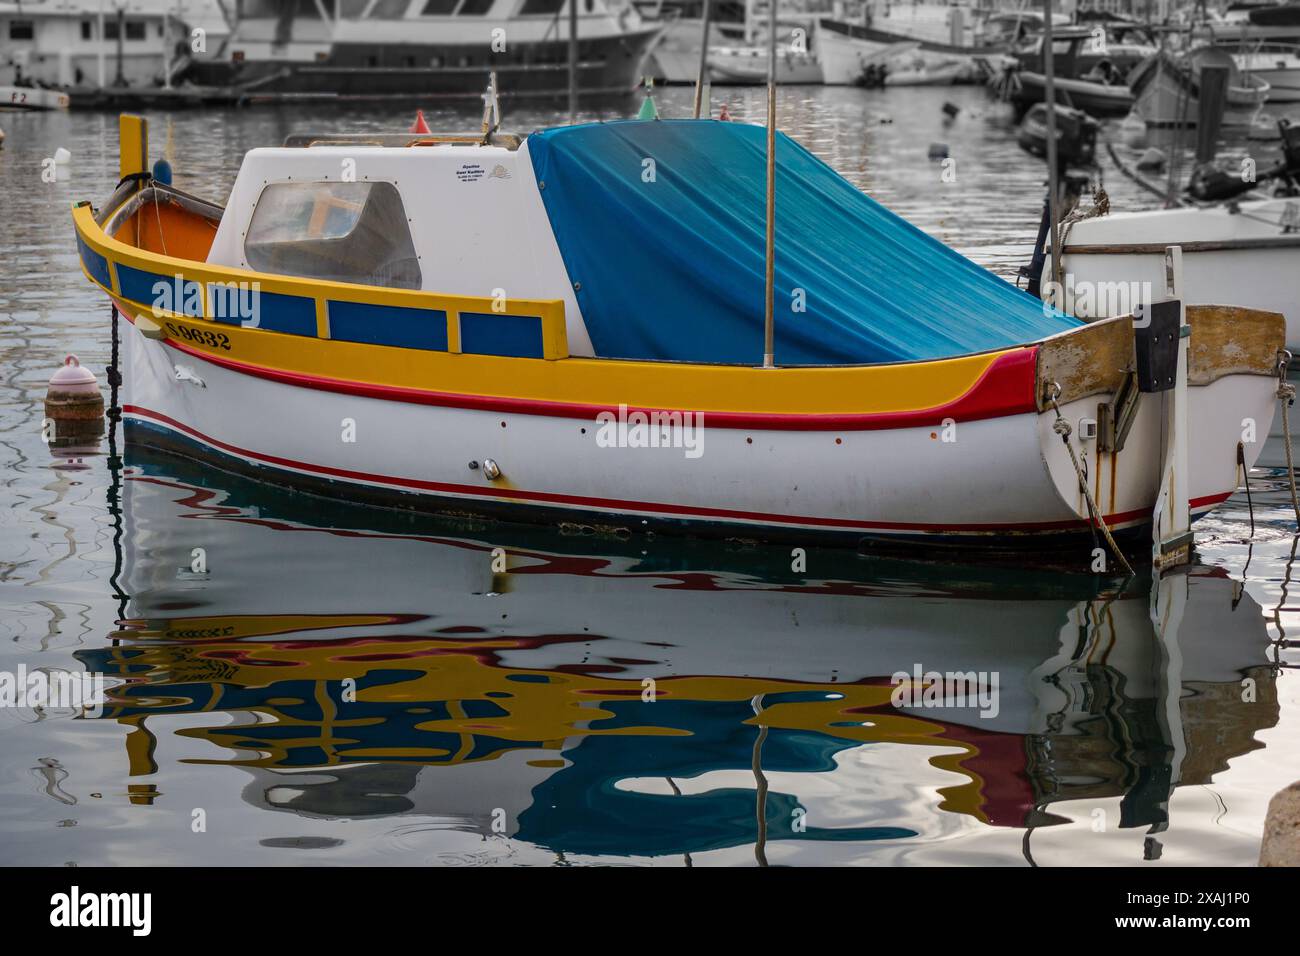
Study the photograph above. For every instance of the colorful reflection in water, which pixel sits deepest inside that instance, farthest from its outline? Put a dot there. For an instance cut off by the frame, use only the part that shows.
(597, 697)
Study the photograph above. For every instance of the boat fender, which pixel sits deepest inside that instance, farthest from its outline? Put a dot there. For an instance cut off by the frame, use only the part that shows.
(1210, 184)
(162, 172)
(1152, 159)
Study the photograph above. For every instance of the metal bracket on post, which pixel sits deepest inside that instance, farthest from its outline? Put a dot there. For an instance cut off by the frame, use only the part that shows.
(1171, 536)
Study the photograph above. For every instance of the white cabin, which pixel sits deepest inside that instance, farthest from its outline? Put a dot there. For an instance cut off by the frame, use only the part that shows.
(460, 219)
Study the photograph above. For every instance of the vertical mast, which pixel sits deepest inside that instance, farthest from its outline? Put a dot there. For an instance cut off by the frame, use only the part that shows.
(770, 277)
(573, 61)
(1053, 183)
(703, 74)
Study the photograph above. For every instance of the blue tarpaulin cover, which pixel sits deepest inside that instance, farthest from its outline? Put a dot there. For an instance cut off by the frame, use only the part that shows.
(668, 258)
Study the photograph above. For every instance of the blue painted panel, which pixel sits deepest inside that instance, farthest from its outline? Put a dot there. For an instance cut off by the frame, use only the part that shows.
(277, 312)
(490, 333)
(388, 325)
(179, 296)
(95, 264)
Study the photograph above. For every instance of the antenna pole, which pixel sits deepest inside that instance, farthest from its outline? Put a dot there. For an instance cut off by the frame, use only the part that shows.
(1053, 172)
(704, 61)
(573, 61)
(769, 359)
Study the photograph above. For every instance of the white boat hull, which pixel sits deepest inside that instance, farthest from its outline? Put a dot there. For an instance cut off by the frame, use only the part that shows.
(1163, 101)
(32, 98)
(748, 66)
(1248, 272)
(927, 76)
(1250, 259)
(996, 477)
(1280, 71)
(844, 58)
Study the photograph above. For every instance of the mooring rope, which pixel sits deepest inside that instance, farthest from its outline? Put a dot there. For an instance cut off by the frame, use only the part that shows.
(1286, 394)
(1245, 480)
(1063, 428)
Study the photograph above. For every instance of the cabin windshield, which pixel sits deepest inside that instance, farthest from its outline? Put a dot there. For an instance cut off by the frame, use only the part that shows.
(339, 231)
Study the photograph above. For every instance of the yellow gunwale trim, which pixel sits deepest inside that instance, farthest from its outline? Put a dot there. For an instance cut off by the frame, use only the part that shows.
(846, 390)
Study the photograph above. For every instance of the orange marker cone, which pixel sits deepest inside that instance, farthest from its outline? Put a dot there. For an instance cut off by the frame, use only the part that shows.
(420, 126)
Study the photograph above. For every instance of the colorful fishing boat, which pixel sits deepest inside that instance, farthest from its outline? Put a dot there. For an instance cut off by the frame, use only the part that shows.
(570, 326)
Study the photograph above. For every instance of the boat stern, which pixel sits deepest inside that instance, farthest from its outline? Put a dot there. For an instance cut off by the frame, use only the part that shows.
(1102, 425)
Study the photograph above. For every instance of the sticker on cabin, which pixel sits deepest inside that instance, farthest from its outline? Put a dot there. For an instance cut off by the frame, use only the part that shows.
(499, 172)
(470, 172)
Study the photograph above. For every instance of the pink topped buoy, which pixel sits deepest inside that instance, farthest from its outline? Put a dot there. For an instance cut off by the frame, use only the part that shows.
(74, 377)
(74, 407)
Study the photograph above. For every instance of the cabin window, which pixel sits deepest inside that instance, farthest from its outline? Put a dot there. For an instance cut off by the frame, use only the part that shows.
(22, 30)
(343, 232)
(538, 7)
(476, 8)
(439, 8)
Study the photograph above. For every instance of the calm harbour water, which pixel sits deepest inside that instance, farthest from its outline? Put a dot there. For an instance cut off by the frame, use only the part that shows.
(499, 718)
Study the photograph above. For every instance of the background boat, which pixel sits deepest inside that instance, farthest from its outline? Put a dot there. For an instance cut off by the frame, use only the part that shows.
(427, 48)
(32, 98)
(675, 58)
(1166, 90)
(1276, 65)
(747, 65)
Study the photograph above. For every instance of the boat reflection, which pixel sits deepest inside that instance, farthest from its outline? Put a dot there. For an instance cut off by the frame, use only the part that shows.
(641, 697)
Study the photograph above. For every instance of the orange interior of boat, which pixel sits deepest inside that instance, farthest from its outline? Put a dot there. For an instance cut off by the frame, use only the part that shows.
(168, 229)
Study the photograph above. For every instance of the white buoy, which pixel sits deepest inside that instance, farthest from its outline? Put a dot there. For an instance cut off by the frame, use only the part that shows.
(1152, 159)
(1133, 131)
(62, 157)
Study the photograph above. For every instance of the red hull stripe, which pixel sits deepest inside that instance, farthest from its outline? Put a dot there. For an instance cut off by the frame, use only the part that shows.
(620, 505)
(1005, 388)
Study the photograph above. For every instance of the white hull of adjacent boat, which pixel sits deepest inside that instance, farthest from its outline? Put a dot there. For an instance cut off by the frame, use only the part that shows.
(747, 65)
(1281, 71)
(1248, 258)
(996, 476)
(1162, 102)
(844, 58)
(676, 57)
(936, 75)
(30, 98)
